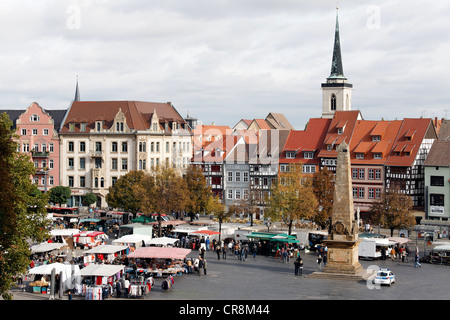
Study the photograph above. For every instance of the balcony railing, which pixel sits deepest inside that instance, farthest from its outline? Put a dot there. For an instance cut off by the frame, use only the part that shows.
(42, 154)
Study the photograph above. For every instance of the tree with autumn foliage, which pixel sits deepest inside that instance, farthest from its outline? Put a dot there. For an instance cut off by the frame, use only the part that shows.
(125, 192)
(199, 192)
(164, 191)
(392, 210)
(23, 216)
(323, 188)
(292, 197)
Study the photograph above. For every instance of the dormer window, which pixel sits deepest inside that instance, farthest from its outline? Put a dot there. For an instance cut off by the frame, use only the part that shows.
(83, 126)
(308, 154)
(290, 154)
(329, 147)
(360, 156)
(98, 126)
(72, 126)
(340, 130)
(34, 118)
(376, 138)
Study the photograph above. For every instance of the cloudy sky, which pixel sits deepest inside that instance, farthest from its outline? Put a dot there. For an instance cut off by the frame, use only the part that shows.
(224, 60)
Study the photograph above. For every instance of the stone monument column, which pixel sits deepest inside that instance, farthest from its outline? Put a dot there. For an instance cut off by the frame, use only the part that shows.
(343, 240)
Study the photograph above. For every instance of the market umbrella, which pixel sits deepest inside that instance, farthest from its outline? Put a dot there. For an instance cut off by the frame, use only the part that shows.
(143, 219)
(205, 232)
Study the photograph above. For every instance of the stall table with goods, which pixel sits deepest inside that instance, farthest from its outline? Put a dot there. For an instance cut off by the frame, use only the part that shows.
(66, 275)
(98, 280)
(106, 253)
(160, 261)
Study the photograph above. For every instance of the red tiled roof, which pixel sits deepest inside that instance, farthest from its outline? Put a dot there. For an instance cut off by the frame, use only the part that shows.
(138, 114)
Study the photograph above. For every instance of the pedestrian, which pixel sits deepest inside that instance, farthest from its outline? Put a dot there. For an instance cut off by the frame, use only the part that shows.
(417, 260)
(204, 266)
(319, 261)
(255, 249)
(218, 251)
(118, 289)
(297, 266)
(69, 295)
(200, 265)
(301, 265)
(392, 254)
(403, 254)
(224, 252)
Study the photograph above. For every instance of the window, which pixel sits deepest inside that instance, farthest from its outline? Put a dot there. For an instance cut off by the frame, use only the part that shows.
(26, 147)
(125, 164)
(82, 182)
(360, 156)
(98, 146)
(142, 147)
(24, 132)
(70, 147)
(82, 146)
(167, 147)
(355, 192)
(34, 132)
(354, 174)
(157, 147)
(230, 177)
(50, 163)
(361, 193)
(98, 163)
(308, 155)
(437, 200)
(377, 174)
(329, 147)
(333, 102)
(51, 147)
(152, 147)
(230, 194)
(309, 168)
(113, 181)
(98, 126)
(45, 132)
(124, 147)
(377, 193)
(114, 164)
(82, 163)
(50, 180)
(238, 194)
(290, 154)
(245, 194)
(34, 118)
(238, 177)
(70, 181)
(361, 174)
(377, 156)
(371, 174)
(437, 181)
(71, 126)
(371, 193)
(245, 177)
(70, 164)
(83, 126)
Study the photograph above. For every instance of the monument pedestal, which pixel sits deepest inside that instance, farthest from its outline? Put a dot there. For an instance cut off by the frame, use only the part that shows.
(342, 260)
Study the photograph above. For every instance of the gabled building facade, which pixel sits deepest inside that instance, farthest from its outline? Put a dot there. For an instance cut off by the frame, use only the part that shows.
(38, 136)
(103, 140)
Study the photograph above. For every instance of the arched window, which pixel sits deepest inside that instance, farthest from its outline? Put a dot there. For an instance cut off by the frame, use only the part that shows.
(333, 102)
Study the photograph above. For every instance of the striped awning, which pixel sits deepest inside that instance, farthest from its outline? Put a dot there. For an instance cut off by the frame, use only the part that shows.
(160, 253)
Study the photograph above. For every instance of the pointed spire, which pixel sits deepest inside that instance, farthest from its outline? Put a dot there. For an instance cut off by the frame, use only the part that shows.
(337, 71)
(77, 92)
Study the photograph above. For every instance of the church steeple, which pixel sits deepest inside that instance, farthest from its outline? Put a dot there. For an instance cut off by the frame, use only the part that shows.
(77, 92)
(337, 71)
(336, 92)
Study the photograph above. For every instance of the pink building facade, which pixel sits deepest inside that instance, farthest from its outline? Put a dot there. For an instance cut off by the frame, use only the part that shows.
(38, 137)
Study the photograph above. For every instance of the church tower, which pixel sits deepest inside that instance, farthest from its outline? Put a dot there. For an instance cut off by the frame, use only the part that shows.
(336, 92)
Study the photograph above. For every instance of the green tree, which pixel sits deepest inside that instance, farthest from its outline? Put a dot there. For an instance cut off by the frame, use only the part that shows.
(292, 197)
(123, 194)
(392, 210)
(22, 209)
(59, 195)
(89, 198)
(323, 188)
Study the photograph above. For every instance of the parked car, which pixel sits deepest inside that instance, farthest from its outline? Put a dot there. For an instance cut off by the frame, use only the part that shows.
(384, 276)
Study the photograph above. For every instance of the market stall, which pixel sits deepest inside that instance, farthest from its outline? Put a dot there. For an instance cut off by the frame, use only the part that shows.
(105, 253)
(98, 280)
(66, 275)
(163, 241)
(48, 252)
(133, 241)
(160, 261)
(89, 239)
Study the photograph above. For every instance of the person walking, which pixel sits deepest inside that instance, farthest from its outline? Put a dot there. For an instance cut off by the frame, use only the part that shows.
(224, 252)
(218, 249)
(417, 260)
(200, 265)
(204, 266)
(319, 261)
(296, 266)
